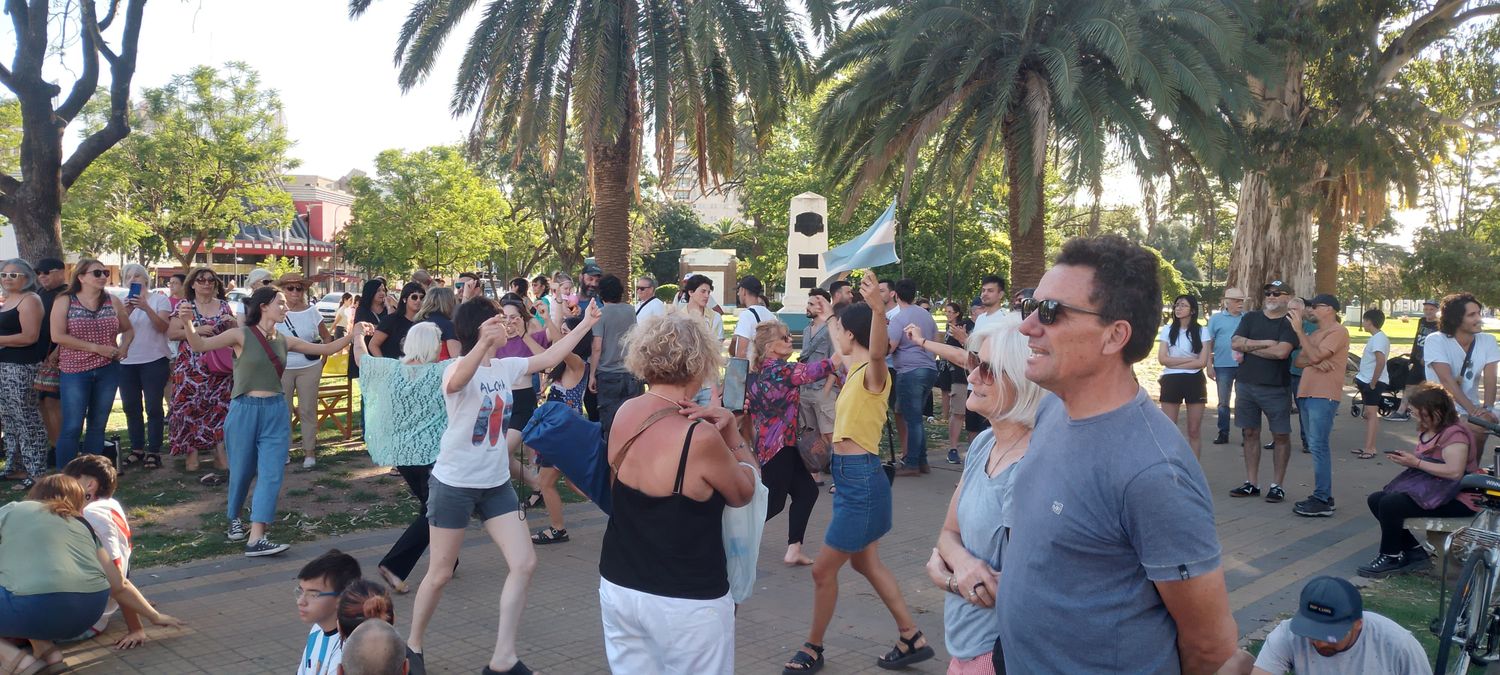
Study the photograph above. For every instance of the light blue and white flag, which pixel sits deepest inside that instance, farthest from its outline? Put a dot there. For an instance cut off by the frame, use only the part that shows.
(874, 247)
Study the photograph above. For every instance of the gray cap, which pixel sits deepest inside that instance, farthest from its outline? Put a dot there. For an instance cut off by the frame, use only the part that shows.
(1327, 610)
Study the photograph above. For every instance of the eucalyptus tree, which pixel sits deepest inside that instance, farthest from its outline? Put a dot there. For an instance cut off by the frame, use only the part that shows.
(1155, 81)
(613, 71)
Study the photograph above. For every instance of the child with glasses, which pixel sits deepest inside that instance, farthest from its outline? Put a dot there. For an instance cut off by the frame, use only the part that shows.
(318, 586)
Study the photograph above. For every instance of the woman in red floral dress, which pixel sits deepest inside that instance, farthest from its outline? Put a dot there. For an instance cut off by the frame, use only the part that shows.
(200, 398)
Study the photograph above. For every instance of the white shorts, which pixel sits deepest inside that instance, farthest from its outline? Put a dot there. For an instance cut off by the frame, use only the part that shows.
(645, 633)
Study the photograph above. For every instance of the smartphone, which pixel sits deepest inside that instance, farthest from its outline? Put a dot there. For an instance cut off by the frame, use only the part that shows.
(736, 371)
(135, 290)
(458, 286)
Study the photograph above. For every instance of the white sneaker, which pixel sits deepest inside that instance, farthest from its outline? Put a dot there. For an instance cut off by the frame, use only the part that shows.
(309, 462)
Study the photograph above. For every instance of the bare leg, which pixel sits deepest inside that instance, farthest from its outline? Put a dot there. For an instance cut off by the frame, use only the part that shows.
(1170, 410)
(1251, 447)
(512, 536)
(547, 485)
(1282, 456)
(52, 418)
(221, 460)
(956, 403)
(900, 422)
(442, 551)
(795, 556)
(13, 660)
(1195, 428)
(1372, 425)
(825, 574)
(867, 563)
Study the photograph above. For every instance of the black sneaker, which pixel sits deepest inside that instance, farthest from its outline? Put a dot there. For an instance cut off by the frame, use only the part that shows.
(1269, 446)
(1246, 490)
(1312, 507)
(236, 530)
(1399, 417)
(1222, 439)
(953, 456)
(1383, 566)
(1275, 494)
(263, 547)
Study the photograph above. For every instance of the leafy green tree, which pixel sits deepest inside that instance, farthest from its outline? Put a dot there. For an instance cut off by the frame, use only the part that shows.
(971, 77)
(279, 265)
(533, 73)
(429, 208)
(32, 198)
(204, 163)
(549, 205)
(676, 227)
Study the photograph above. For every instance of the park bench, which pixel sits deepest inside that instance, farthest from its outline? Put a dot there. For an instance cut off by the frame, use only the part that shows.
(1432, 532)
(335, 397)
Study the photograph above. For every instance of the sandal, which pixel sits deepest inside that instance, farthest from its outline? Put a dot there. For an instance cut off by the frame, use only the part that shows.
(1364, 455)
(211, 480)
(533, 501)
(397, 584)
(135, 457)
(550, 535)
(518, 669)
(25, 484)
(802, 662)
(152, 461)
(898, 659)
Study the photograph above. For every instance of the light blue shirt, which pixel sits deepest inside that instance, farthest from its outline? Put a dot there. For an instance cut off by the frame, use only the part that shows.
(1221, 327)
(983, 504)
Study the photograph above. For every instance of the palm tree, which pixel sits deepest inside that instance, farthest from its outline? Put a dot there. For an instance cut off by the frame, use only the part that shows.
(948, 81)
(610, 70)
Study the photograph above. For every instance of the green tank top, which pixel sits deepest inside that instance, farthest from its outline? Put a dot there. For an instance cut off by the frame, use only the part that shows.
(253, 369)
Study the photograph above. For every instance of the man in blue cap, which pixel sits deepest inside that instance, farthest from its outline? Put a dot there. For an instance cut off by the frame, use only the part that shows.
(1331, 633)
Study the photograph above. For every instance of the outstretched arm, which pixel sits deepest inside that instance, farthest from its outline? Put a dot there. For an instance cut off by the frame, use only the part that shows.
(875, 373)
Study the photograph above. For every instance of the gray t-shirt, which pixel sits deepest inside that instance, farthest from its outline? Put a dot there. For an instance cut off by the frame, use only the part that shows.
(1102, 508)
(1383, 646)
(983, 512)
(615, 320)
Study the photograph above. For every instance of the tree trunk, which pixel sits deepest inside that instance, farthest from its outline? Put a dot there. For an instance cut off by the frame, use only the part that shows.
(610, 176)
(37, 221)
(1330, 237)
(1272, 236)
(1028, 242)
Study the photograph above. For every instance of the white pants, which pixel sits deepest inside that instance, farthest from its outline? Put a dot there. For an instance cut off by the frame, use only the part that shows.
(648, 634)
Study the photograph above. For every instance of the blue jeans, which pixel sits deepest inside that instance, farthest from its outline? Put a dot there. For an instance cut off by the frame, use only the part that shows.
(1317, 415)
(1224, 377)
(911, 391)
(87, 397)
(257, 435)
(142, 388)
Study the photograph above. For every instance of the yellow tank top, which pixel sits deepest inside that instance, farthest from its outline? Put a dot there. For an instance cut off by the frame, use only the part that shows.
(859, 415)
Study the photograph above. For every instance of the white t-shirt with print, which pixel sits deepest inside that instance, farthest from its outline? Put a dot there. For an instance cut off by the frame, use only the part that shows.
(107, 518)
(473, 453)
(751, 317)
(1440, 348)
(1379, 344)
(1183, 348)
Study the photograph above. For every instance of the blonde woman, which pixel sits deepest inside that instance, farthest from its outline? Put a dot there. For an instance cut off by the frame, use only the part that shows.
(437, 309)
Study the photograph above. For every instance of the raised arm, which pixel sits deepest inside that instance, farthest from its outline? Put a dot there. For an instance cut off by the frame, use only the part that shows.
(954, 355)
(361, 350)
(301, 346)
(554, 354)
(491, 332)
(875, 373)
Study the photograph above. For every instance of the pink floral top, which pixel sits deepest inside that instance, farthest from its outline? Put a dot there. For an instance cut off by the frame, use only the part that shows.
(772, 401)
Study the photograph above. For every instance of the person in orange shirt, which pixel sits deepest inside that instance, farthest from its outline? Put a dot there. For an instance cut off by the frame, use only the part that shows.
(1324, 353)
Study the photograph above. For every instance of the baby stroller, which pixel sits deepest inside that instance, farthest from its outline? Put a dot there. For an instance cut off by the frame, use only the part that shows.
(1390, 396)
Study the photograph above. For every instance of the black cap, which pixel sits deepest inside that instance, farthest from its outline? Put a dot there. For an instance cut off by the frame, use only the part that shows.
(1327, 610)
(46, 265)
(592, 269)
(752, 284)
(1277, 285)
(1327, 299)
(1434, 303)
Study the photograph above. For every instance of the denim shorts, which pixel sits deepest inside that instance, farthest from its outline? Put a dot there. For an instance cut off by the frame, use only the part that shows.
(861, 503)
(49, 616)
(450, 507)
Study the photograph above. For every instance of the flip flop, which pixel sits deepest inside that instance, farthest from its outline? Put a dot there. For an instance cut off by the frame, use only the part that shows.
(1364, 455)
(211, 480)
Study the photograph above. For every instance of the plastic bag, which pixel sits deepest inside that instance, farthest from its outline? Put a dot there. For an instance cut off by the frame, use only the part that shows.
(743, 526)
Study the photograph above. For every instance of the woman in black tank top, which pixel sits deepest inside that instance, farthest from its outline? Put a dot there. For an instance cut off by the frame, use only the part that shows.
(21, 352)
(664, 589)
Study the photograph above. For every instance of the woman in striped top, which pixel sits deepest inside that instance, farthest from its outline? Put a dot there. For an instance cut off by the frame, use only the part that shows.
(92, 333)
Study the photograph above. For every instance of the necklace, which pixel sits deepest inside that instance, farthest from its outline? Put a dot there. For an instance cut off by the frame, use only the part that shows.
(997, 460)
(668, 400)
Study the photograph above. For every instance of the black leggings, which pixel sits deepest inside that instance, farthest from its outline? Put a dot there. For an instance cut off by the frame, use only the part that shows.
(786, 475)
(1393, 508)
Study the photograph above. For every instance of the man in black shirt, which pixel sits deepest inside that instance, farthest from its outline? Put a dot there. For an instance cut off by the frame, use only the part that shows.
(1417, 373)
(1266, 339)
(51, 280)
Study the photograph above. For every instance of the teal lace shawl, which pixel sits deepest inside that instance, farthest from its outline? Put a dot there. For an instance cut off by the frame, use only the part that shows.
(404, 410)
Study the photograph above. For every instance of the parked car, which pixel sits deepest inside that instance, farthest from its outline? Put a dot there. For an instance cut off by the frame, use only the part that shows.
(329, 306)
(236, 298)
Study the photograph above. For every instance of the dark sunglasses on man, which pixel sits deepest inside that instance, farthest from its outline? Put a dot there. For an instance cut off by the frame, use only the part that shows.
(1047, 310)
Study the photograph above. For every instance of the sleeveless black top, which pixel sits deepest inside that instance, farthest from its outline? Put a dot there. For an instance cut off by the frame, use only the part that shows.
(671, 546)
(10, 324)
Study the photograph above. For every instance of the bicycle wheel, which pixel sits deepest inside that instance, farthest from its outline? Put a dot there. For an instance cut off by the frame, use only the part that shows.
(1468, 617)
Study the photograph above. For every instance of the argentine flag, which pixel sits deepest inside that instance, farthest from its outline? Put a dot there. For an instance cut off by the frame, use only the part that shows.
(874, 247)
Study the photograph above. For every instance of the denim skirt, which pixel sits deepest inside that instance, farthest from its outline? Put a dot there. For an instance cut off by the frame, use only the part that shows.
(861, 503)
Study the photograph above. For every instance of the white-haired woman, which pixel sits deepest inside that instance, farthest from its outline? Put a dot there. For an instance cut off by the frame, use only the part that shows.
(145, 370)
(21, 354)
(967, 559)
(407, 416)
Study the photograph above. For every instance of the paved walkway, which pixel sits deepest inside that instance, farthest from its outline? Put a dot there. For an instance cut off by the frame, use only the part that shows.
(242, 618)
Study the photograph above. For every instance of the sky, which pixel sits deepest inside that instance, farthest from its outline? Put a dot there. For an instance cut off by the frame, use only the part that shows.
(335, 75)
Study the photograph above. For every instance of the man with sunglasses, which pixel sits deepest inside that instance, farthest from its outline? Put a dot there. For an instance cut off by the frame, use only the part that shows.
(1112, 538)
(1266, 339)
(1460, 353)
(647, 304)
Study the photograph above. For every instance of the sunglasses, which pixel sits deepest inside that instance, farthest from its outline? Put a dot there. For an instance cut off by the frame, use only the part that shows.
(266, 282)
(11, 275)
(1047, 310)
(643, 288)
(292, 289)
(206, 280)
(98, 274)
(1276, 294)
(787, 339)
(981, 365)
(415, 296)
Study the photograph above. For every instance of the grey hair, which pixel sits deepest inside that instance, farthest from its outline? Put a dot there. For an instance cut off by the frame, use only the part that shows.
(26, 269)
(256, 276)
(422, 344)
(131, 270)
(1006, 354)
(649, 279)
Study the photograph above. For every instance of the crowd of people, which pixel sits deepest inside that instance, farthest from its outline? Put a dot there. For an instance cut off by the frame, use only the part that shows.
(451, 375)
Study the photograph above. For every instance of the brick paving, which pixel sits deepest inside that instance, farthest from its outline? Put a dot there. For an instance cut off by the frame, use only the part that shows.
(241, 617)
